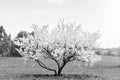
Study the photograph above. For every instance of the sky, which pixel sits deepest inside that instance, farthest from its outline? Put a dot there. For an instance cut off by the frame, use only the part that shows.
(93, 15)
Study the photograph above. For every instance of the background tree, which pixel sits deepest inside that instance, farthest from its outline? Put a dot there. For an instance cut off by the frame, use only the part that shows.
(6, 46)
(22, 34)
(1, 37)
(5, 42)
(64, 44)
(14, 52)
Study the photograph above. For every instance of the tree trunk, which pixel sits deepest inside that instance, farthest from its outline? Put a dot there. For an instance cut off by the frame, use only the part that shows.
(59, 71)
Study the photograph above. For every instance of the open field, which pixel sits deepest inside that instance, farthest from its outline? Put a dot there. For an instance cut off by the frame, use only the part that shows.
(15, 69)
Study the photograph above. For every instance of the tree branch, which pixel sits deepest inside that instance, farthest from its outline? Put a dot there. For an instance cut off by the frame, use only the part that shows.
(47, 52)
(51, 57)
(44, 66)
(70, 58)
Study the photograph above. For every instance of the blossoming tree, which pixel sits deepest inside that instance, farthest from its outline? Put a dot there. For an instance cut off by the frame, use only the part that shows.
(63, 44)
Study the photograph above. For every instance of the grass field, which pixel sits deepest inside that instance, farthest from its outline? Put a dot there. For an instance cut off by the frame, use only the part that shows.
(15, 69)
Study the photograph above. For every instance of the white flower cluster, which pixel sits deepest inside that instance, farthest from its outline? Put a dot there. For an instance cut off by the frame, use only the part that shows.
(28, 47)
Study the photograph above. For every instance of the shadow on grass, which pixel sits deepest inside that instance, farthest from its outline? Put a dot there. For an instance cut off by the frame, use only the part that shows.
(62, 77)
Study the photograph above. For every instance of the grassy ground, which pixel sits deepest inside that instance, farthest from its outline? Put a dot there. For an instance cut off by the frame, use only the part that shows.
(15, 69)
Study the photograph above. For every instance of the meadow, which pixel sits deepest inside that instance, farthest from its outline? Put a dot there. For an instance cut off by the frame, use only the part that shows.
(13, 68)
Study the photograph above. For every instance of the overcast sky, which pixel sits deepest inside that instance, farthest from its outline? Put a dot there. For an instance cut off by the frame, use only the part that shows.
(94, 15)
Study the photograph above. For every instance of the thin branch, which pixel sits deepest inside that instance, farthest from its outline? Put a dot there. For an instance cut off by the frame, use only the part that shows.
(47, 52)
(70, 58)
(51, 57)
(44, 66)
